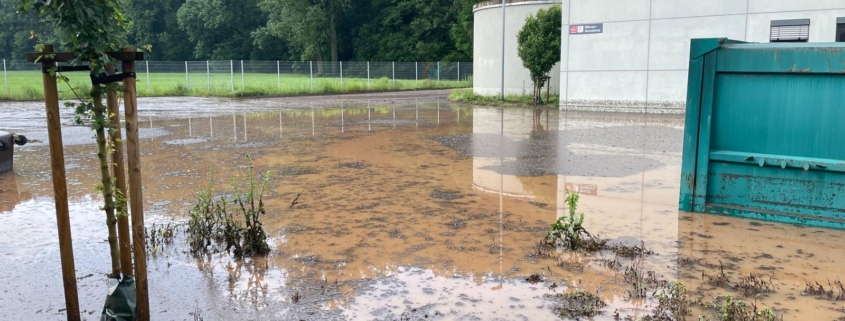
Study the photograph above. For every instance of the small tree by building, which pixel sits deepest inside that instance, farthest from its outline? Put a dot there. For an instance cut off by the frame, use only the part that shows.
(539, 45)
(92, 31)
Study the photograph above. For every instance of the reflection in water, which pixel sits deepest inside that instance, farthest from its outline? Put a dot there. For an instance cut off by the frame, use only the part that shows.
(11, 193)
(419, 207)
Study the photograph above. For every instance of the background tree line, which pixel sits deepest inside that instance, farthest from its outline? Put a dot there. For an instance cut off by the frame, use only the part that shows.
(327, 30)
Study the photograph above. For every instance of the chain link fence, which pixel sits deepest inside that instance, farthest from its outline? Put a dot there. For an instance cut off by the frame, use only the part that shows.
(247, 77)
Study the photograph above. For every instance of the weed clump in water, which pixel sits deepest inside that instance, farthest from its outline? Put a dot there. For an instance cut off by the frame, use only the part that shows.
(631, 251)
(819, 291)
(749, 286)
(237, 227)
(534, 278)
(569, 231)
(161, 236)
(207, 216)
(755, 284)
(720, 280)
(579, 304)
(727, 308)
(641, 281)
(673, 303)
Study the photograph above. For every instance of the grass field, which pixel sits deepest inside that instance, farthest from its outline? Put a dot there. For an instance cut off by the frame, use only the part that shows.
(26, 85)
(467, 96)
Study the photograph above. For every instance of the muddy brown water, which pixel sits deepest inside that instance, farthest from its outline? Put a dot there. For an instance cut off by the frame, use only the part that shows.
(410, 210)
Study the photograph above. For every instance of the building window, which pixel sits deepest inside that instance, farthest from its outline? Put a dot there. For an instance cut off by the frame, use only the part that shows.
(795, 30)
(840, 29)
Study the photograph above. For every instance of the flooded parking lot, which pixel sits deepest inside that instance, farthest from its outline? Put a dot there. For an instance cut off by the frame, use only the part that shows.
(410, 209)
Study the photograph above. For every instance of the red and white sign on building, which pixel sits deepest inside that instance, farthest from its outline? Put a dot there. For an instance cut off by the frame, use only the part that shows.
(586, 29)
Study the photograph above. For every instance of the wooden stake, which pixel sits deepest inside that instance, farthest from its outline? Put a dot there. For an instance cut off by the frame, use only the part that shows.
(57, 162)
(118, 170)
(136, 198)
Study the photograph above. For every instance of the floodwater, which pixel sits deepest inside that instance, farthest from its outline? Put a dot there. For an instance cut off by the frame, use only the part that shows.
(409, 210)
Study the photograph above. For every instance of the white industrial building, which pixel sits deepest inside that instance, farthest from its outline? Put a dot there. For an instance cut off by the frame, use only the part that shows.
(632, 55)
(487, 48)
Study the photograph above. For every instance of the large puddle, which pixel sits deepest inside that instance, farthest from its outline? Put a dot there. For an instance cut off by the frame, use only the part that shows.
(417, 210)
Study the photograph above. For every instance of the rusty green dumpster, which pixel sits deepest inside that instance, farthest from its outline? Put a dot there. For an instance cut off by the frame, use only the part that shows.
(765, 132)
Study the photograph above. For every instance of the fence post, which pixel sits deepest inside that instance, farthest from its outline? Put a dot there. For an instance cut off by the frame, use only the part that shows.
(187, 84)
(459, 71)
(341, 75)
(368, 74)
(438, 71)
(147, 63)
(311, 68)
(279, 74)
(232, 73)
(416, 74)
(243, 86)
(394, 72)
(208, 75)
(5, 78)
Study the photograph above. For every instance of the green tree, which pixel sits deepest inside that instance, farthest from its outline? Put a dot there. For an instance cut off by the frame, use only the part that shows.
(407, 30)
(222, 29)
(539, 45)
(154, 23)
(461, 30)
(89, 30)
(323, 30)
(310, 26)
(20, 32)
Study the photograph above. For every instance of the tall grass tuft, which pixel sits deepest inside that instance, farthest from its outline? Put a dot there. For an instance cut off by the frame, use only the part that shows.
(233, 224)
(467, 96)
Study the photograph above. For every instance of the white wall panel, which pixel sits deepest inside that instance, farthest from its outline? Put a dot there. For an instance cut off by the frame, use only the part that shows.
(594, 11)
(611, 85)
(661, 9)
(620, 47)
(670, 38)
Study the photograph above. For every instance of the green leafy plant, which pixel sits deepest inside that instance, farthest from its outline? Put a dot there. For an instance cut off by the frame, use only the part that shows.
(569, 230)
(233, 224)
(673, 303)
(538, 45)
(250, 205)
(206, 215)
(90, 29)
(728, 308)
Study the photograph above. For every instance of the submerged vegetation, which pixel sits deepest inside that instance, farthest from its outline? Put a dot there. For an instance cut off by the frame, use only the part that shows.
(234, 223)
(671, 300)
(568, 231)
(728, 308)
(830, 293)
(578, 304)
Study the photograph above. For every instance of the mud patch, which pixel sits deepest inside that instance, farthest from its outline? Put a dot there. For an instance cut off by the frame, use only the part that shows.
(297, 171)
(185, 141)
(579, 304)
(457, 224)
(448, 195)
(355, 165)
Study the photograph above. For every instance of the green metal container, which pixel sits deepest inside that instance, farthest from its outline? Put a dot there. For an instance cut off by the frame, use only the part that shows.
(765, 131)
